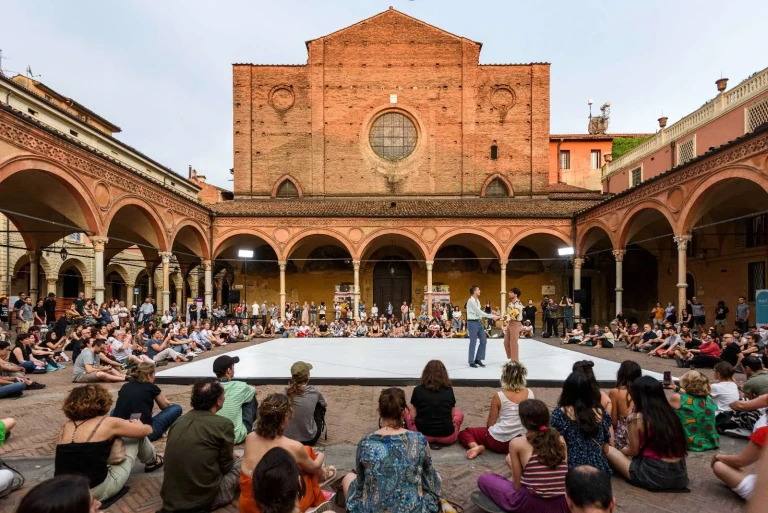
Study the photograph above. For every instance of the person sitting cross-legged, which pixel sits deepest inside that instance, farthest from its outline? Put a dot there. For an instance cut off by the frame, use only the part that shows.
(433, 411)
(503, 418)
(140, 395)
(732, 469)
(159, 350)
(241, 404)
(308, 406)
(274, 415)
(696, 411)
(539, 464)
(88, 367)
(201, 468)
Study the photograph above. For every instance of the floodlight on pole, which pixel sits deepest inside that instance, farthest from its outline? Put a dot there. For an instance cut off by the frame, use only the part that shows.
(245, 253)
(565, 251)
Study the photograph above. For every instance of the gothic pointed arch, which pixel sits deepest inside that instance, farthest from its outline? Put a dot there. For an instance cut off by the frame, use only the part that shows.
(497, 186)
(287, 187)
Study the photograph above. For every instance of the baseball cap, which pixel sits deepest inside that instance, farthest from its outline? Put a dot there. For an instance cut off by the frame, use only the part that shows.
(224, 362)
(300, 369)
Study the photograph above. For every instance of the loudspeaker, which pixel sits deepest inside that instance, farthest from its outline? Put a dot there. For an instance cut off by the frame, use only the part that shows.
(234, 296)
(580, 296)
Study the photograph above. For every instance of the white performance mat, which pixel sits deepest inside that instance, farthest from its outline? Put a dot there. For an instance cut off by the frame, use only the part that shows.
(392, 361)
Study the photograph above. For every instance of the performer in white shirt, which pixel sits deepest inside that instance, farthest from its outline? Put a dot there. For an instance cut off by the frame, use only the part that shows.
(514, 316)
(475, 327)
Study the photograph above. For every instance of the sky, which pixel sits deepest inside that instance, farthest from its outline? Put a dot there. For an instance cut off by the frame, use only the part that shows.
(161, 69)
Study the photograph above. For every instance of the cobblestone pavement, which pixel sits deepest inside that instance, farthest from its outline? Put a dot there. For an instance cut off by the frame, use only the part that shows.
(39, 418)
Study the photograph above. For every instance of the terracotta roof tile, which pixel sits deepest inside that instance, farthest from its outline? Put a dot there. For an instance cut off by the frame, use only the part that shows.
(474, 208)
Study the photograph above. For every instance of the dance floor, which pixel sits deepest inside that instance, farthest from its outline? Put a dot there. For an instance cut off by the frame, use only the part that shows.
(388, 361)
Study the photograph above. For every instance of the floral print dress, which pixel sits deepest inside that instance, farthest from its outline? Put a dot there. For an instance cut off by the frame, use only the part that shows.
(697, 415)
(394, 475)
(582, 450)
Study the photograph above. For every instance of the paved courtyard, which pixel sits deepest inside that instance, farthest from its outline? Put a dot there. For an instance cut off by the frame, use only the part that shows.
(351, 415)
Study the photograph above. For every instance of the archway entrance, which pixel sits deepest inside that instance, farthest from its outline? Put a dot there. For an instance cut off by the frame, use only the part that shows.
(71, 283)
(391, 283)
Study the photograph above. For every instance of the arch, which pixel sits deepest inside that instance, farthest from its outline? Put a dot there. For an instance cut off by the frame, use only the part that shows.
(152, 216)
(630, 215)
(77, 263)
(287, 178)
(224, 240)
(66, 182)
(537, 231)
(411, 242)
(480, 237)
(199, 237)
(588, 235)
(119, 269)
(706, 189)
(504, 181)
(329, 236)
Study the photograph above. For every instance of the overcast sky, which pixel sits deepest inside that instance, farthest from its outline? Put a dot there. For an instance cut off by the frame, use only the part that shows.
(161, 69)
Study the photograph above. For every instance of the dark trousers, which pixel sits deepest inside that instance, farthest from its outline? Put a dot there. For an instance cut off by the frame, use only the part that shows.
(703, 360)
(551, 326)
(250, 409)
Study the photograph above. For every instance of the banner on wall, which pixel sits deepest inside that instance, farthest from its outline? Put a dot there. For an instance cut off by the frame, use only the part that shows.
(761, 307)
(440, 294)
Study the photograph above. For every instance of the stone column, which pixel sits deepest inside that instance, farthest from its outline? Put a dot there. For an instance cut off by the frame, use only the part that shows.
(178, 294)
(577, 264)
(430, 264)
(282, 264)
(34, 270)
(98, 260)
(87, 289)
(682, 271)
(150, 284)
(219, 284)
(618, 254)
(503, 284)
(208, 298)
(52, 284)
(356, 264)
(166, 259)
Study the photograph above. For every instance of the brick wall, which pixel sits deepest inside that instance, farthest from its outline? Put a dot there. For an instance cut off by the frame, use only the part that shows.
(316, 127)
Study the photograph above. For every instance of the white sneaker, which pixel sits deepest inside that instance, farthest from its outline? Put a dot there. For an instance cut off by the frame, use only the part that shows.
(738, 433)
(326, 506)
(197, 351)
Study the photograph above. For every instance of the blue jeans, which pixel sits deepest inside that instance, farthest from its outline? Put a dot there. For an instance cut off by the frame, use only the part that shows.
(163, 420)
(475, 329)
(28, 366)
(249, 413)
(12, 389)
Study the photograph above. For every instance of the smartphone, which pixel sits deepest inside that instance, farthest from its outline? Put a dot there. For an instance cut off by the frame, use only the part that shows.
(135, 416)
(667, 378)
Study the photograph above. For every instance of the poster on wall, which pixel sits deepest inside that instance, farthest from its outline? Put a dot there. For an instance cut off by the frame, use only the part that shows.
(548, 290)
(440, 294)
(344, 292)
(761, 307)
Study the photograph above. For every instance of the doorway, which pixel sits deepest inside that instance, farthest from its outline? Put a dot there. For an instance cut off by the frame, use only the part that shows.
(71, 283)
(690, 290)
(391, 283)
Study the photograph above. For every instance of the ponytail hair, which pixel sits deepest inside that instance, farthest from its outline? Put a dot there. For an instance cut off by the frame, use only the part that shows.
(296, 387)
(392, 404)
(534, 415)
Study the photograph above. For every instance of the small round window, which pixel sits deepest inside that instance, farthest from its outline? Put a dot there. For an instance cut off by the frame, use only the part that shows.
(393, 136)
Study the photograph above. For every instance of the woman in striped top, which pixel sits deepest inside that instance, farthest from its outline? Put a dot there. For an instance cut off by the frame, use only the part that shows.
(539, 463)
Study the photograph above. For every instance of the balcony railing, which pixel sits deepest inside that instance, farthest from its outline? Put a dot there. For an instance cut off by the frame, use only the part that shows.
(713, 109)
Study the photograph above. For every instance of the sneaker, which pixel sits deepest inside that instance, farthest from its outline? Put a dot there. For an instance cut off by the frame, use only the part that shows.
(190, 355)
(198, 351)
(60, 366)
(35, 386)
(738, 433)
(679, 362)
(326, 506)
(161, 363)
(51, 368)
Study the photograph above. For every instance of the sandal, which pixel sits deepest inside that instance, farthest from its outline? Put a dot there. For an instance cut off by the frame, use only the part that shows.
(159, 462)
(329, 476)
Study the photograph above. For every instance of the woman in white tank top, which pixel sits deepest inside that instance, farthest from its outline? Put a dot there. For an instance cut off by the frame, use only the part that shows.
(503, 418)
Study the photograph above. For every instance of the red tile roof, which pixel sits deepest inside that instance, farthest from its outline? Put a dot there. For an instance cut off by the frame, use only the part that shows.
(396, 207)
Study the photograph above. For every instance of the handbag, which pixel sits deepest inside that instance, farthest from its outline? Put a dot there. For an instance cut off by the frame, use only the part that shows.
(17, 482)
(116, 452)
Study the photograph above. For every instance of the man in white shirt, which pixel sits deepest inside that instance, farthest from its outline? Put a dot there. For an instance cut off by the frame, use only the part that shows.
(255, 309)
(374, 311)
(166, 319)
(276, 325)
(475, 327)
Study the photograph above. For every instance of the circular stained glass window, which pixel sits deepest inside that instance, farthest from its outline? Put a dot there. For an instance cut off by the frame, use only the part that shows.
(393, 136)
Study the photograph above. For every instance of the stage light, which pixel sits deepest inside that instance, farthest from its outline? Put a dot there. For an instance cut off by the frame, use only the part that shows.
(245, 253)
(565, 251)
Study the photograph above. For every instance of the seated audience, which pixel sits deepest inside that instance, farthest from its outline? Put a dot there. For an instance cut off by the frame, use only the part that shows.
(241, 404)
(16, 372)
(585, 367)
(588, 490)
(622, 404)
(393, 467)
(274, 413)
(61, 494)
(140, 395)
(158, 348)
(583, 423)
(725, 390)
(538, 462)
(696, 411)
(433, 411)
(526, 331)
(22, 356)
(85, 443)
(574, 336)
(732, 469)
(707, 355)
(307, 404)
(654, 457)
(503, 418)
(277, 485)
(202, 470)
(122, 348)
(757, 377)
(88, 367)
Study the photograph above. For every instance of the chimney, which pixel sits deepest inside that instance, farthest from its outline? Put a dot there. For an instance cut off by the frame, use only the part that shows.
(663, 122)
(189, 173)
(722, 84)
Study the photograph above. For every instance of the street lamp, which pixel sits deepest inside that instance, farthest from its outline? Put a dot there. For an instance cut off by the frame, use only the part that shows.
(246, 254)
(565, 251)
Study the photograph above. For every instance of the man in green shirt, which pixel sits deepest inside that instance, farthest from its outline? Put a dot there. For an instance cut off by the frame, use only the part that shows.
(241, 405)
(757, 378)
(202, 472)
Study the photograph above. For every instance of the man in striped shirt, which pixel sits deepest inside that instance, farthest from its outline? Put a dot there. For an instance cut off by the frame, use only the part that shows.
(475, 327)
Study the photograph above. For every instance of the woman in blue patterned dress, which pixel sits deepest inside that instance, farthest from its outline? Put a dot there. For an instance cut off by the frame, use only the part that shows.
(393, 469)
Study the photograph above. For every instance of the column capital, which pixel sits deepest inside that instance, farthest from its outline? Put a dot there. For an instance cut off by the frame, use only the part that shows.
(578, 262)
(207, 265)
(503, 262)
(34, 255)
(430, 264)
(618, 254)
(356, 264)
(98, 243)
(52, 281)
(682, 285)
(282, 264)
(682, 241)
(165, 256)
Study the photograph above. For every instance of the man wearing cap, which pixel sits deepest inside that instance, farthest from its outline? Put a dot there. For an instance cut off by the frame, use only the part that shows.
(309, 406)
(241, 404)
